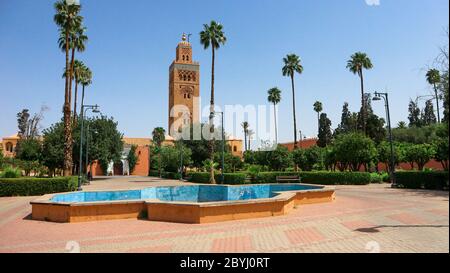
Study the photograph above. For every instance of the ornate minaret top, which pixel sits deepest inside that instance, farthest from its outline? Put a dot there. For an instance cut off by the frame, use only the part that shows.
(184, 51)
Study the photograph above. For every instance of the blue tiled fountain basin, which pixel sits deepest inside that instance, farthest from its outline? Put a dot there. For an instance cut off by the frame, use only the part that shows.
(191, 193)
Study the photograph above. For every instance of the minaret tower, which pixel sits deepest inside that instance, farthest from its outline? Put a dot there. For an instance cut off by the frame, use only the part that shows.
(184, 88)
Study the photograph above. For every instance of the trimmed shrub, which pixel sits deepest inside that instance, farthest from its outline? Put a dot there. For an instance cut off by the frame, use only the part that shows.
(10, 172)
(28, 186)
(422, 180)
(232, 178)
(171, 175)
(166, 175)
(199, 178)
(336, 178)
(385, 177)
(376, 178)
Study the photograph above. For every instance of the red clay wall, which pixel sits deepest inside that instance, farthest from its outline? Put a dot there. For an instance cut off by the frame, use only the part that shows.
(143, 164)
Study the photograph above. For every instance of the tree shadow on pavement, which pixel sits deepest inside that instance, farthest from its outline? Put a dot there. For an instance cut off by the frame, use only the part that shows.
(377, 228)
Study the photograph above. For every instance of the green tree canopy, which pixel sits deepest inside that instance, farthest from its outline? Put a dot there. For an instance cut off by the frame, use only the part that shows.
(325, 135)
(354, 150)
(419, 154)
(428, 117)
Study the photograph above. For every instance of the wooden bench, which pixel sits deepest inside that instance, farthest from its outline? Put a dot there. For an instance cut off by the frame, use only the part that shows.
(289, 179)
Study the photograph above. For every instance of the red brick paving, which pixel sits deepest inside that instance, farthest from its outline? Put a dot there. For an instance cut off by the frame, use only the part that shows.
(232, 244)
(354, 225)
(408, 218)
(304, 236)
(411, 221)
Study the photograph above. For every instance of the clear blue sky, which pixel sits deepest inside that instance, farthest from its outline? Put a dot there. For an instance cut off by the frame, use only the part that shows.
(132, 43)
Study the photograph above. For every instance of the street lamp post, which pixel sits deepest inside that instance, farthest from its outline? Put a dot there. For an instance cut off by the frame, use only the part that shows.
(87, 150)
(223, 148)
(422, 97)
(84, 109)
(385, 97)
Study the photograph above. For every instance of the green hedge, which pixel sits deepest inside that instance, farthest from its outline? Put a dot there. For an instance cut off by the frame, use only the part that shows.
(167, 175)
(323, 178)
(229, 178)
(28, 186)
(336, 178)
(199, 178)
(422, 180)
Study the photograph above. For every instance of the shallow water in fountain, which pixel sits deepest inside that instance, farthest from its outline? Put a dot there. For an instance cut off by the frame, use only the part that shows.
(191, 193)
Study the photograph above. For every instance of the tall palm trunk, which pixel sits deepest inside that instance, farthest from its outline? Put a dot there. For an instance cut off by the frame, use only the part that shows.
(82, 101)
(72, 63)
(363, 103)
(318, 123)
(275, 116)
(159, 163)
(75, 102)
(211, 121)
(245, 139)
(437, 103)
(67, 124)
(293, 107)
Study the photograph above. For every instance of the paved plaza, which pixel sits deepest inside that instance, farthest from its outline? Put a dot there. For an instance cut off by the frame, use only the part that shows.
(371, 218)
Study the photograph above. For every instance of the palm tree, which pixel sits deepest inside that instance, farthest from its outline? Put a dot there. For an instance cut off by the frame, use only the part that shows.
(250, 133)
(356, 64)
(158, 136)
(77, 41)
(318, 108)
(292, 64)
(67, 18)
(212, 35)
(78, 69)
(245, 126)
(434, 78)
(85, 80)
(274, 96)
(401, 125)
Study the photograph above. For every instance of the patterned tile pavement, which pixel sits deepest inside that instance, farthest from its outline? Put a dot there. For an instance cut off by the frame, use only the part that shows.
(371, 218)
